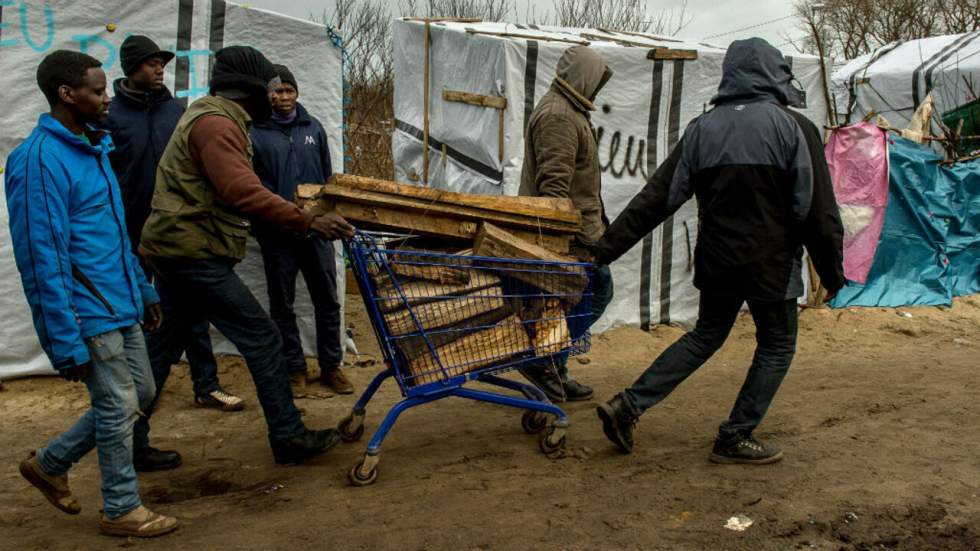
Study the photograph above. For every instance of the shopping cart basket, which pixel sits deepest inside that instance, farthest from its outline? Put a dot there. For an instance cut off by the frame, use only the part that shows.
(445, 320)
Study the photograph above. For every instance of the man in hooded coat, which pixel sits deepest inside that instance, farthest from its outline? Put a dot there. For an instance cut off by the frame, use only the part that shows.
(561, 159)
(764, 192)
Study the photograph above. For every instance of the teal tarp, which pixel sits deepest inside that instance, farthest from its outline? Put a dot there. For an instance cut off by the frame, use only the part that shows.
(929, 249)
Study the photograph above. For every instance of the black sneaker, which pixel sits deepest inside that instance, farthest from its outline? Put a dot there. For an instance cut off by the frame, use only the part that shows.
(221, 399)
(151, 459)
(618, 423)
(304, 446)
(744, 450)
(576, 391)
(546, 380)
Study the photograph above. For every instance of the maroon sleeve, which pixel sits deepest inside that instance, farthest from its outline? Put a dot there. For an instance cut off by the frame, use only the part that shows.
(218, 147)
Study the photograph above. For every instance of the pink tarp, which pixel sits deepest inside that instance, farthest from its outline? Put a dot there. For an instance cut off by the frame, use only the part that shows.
(858, 159)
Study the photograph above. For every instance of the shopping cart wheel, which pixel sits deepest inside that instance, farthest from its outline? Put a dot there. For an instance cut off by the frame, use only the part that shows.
(534, 422)
(351, 427)
(552, 442)
(364, 472)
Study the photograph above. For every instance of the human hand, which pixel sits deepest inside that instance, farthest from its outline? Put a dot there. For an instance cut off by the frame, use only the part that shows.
(829, 296)
(152, 318)
(332, 226)
(77, 373)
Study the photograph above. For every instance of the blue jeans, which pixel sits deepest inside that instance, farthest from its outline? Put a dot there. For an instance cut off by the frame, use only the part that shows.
(201, 291)
(120, 386)
(200, 357)
(284, 257)
(602, 295)
(775, 335)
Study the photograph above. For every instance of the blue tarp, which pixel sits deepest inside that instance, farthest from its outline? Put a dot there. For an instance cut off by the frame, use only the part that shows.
(929, 249)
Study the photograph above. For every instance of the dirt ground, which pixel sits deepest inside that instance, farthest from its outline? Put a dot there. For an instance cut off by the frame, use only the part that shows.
(878, 417)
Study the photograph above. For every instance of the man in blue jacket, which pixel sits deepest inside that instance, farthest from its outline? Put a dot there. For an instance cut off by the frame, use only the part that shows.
(291, 149)
(142, 117)
(86, 290)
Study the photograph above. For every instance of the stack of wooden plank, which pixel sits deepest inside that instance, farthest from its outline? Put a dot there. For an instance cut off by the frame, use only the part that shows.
(379, 204)
(450, 314)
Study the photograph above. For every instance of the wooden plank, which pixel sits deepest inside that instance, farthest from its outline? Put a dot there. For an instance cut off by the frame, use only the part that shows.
(479, 100)
(415, 346)
(548, 208)
(368, 217)
(444, 313)
(475, 351)
(668, 53)
(641, 35)
(445, 19)
(557, 279)
(528, 36)
(420, 292)
(551, 334)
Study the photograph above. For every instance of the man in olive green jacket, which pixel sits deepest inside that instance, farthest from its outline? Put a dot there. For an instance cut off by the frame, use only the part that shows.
(561, 159)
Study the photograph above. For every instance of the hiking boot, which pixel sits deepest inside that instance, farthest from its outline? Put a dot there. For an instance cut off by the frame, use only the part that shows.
(618, 422)
(576, 391)
(297, 382)
(546, 380)
(744, 449)
(219, 398)
(304, 446)
(139, 523)
(151, 459)
(335, 380)
(54, 488)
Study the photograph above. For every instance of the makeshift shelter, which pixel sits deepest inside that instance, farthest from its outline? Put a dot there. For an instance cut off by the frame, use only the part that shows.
(194, 30)
(896, 78)
(464, 89)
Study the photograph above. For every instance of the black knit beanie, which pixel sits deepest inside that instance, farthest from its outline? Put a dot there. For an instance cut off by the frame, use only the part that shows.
(242, 68)
(138, 48)
(286, 76)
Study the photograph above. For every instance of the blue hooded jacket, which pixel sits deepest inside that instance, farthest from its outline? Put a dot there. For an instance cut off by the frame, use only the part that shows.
(288, 155)
(141, 125)
(66, 224)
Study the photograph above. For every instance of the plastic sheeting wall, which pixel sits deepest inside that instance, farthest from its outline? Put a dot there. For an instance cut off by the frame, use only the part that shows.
(643, 112)
(192, 28)
(929, 250)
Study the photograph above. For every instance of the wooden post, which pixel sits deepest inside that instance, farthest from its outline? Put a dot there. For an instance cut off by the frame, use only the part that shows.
(501, 137)
(425, 112)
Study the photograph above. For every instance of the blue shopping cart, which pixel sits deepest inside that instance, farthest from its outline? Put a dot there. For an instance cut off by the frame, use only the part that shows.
(445, 320)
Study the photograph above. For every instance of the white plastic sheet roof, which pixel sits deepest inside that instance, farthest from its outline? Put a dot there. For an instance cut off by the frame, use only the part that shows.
(643, 112)
(895, 79)
(194, 30)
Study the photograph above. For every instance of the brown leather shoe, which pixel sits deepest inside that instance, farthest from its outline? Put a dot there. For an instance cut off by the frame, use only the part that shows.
(336, 381)
(54, 488)
(297, 381)
(140, 523)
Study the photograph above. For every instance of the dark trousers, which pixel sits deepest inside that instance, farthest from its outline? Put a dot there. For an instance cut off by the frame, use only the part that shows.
(197, 346)
(776, 326)
(283, 258)
(201, 291)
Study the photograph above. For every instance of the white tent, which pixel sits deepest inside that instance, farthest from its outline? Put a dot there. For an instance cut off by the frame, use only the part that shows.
(643, 111)
(193, 29)
(893, 80)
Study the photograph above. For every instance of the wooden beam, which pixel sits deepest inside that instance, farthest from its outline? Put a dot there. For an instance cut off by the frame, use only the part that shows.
(444, 313)
(341, 194)
(500, 138)
(667, 53)
(547, 208)
(641, 35)
(413, 347)
(421, 292)
(425, 110)
(445, 19)
(480, 100)
(529, 37)
(558, 279)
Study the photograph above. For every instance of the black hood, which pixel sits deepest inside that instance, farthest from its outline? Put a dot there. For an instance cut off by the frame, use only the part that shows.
(754, 70)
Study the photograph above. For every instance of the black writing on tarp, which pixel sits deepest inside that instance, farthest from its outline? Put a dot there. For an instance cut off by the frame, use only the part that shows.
(621, 157)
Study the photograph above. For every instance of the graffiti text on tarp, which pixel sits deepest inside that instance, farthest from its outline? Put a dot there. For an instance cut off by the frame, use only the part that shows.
(619, 157)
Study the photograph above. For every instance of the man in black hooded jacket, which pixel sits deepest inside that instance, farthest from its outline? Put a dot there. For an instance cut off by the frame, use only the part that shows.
(764, 192)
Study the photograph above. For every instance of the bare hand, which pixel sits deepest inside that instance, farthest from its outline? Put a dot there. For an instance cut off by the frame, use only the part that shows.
(152, 318)
(829, 296)
(77, 373)
(332, 226)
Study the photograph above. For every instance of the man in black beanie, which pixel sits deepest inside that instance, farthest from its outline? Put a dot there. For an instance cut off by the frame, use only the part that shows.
(291, 149)
(206, 192)
(142, 116)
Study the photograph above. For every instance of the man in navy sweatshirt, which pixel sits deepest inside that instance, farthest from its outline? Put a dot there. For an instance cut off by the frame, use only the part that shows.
(291, 149)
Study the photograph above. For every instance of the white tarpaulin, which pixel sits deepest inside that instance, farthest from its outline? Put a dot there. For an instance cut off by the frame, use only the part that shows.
(643, 112)
(194, 29)
(893, 80)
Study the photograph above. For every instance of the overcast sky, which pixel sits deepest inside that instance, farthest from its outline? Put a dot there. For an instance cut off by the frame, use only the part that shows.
(711, 17)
